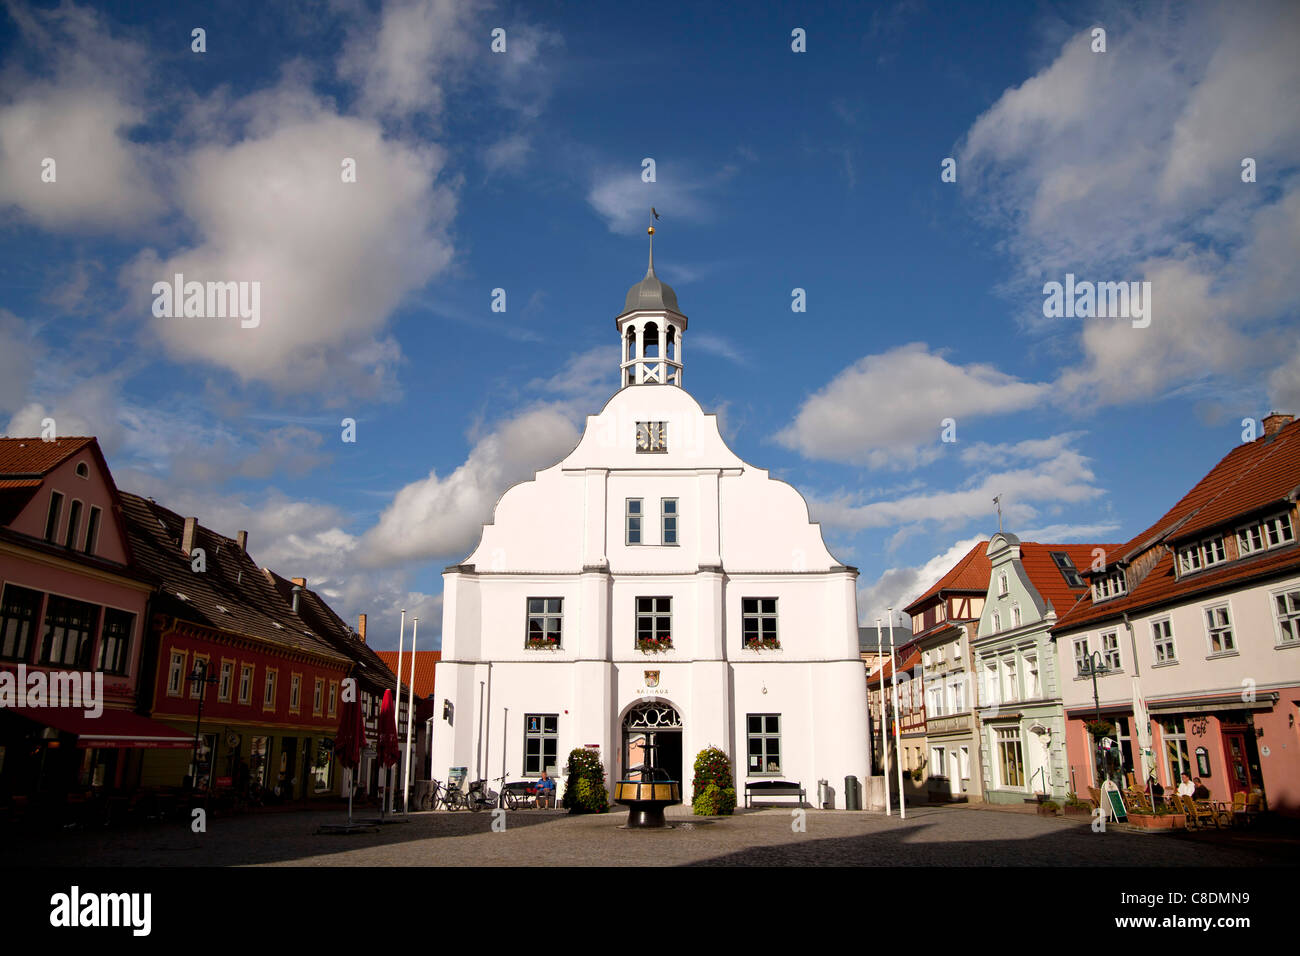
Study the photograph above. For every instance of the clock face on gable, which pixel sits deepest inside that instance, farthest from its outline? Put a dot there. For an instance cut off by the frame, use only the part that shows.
(651, 436)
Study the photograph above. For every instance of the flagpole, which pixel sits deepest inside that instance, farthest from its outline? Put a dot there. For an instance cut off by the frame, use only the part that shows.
(410, 715)
(884, 741)
(397, 691)
(898, 745)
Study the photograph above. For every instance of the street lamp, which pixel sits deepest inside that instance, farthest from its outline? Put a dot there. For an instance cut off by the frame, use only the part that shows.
(1094, 665)
(200, 678)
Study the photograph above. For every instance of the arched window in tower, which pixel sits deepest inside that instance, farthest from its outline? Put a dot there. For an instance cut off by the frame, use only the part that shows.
(629, 354)
(650, 341)
(670, 349)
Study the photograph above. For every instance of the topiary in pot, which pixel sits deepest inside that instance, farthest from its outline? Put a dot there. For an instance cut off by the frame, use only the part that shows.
(714, 792)
(584, 786)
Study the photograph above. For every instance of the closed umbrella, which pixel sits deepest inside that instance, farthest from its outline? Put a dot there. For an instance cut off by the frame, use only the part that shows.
(349, 739)
(388, 751)
(348, 742)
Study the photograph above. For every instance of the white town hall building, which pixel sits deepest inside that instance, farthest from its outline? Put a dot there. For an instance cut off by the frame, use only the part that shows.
(652, 586)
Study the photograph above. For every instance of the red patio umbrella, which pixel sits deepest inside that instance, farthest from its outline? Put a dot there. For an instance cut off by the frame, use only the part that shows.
(388, 751)
(349, 739)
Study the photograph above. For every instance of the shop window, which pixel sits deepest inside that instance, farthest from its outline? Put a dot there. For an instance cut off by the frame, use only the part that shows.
(18, 615)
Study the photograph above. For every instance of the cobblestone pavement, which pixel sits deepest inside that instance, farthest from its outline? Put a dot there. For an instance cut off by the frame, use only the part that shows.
(931, 836)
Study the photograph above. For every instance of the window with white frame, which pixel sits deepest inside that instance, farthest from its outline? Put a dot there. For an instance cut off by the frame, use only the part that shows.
(1011, 757)
(992, 692)
(1162, 640)
(541, 743)
(246, 683)
(633, 517)
(668, 520)
(654, 622)
(1269, 533)
(1002, 585)
(1109, 585)
(958, 695)
(934, 704)
(1218, 629)
(1033, 685)
(295, 692)
(758, 622)
(1286, 606)
(1015, 615)
(176, 674)
(1110, 655)
(1010, 689)
(764, 735)
(1202, 554)
(544, 617)
(268, 690)
(1081, 653)
(1278, 531)
(997, 622)
(1177, 759)
(227, 680)
(963, 763)
(936, 761)
(198, 688)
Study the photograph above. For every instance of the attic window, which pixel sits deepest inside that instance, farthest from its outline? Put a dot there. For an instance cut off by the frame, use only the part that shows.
(277, 625)
(82, 470)
(222, 609)
(183, 597)
(1068, 570)
(1109, 585)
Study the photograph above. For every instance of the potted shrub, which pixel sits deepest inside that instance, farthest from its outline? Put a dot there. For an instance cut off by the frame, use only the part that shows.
(584, 784)
(1100, 728)
(1076, 807)
(1049, 808)
(714, 791)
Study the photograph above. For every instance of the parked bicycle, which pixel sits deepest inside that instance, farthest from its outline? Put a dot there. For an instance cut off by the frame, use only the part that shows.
(453, 798)
(480, 795)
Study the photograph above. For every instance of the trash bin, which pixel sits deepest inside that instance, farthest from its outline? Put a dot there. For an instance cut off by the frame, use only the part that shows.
(852, 794)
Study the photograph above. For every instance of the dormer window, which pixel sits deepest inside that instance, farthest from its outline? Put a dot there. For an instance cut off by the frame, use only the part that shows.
(1202, 554)
(1112, 584)
(82, 470)
(1269, 533)
(1068, 570)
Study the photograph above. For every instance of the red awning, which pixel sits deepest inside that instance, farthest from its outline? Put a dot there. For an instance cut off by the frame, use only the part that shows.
(112, 728)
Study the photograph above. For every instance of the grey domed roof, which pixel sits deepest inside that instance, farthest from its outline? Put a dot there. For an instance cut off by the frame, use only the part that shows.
(651, 293)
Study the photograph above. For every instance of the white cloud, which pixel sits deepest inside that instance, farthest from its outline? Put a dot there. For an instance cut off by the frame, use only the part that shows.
(1064, 478)
(899, 587)
(441, 517)
(1189, 93)
(507, 154)
(885, 410)
(78, 114)
(334, 259)
(620, 197)
(403, 66)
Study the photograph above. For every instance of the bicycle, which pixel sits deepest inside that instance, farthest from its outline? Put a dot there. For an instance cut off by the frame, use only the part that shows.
(480, 796)
(453, 798)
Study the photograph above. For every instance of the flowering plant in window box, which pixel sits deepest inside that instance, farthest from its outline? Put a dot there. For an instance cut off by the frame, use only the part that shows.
(536, 641)
(760, 643)
(654, 644)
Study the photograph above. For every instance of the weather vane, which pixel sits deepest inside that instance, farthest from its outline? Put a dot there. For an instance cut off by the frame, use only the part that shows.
(651, 230)
(998, 501)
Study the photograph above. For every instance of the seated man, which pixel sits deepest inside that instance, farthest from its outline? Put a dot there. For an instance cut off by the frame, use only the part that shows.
(545, 791)
(1201, 791)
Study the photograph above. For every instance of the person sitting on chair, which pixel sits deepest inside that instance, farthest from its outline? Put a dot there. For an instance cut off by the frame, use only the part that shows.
(545, 787)
(1186, 788)
(1201, 791)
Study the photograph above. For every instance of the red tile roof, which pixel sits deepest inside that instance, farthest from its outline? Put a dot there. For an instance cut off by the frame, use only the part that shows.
(1047, 578)
(426, 662)
(971, 573)
(23, 457)
(1251, 476)
(1161, 587)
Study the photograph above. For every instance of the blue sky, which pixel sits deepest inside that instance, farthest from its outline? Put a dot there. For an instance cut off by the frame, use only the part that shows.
(521, 170)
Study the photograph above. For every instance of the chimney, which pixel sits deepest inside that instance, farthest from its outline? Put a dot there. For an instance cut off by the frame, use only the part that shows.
(241, 538)
(187, 536)
(297, 592)
(301, 582)
(361, 627)
(1274, 422)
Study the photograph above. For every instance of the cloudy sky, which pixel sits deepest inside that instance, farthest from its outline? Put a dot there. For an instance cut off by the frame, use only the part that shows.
(521, 170)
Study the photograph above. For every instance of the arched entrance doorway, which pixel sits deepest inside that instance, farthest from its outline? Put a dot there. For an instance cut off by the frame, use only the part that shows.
(652, 728)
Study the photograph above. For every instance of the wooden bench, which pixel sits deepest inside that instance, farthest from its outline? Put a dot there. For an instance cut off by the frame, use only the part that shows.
(774, 788)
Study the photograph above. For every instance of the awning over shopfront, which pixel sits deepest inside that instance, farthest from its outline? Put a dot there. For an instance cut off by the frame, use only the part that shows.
(120, 729)
(1200, 705)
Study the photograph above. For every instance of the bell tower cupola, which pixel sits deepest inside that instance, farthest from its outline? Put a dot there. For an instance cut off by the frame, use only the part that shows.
(650, 331)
